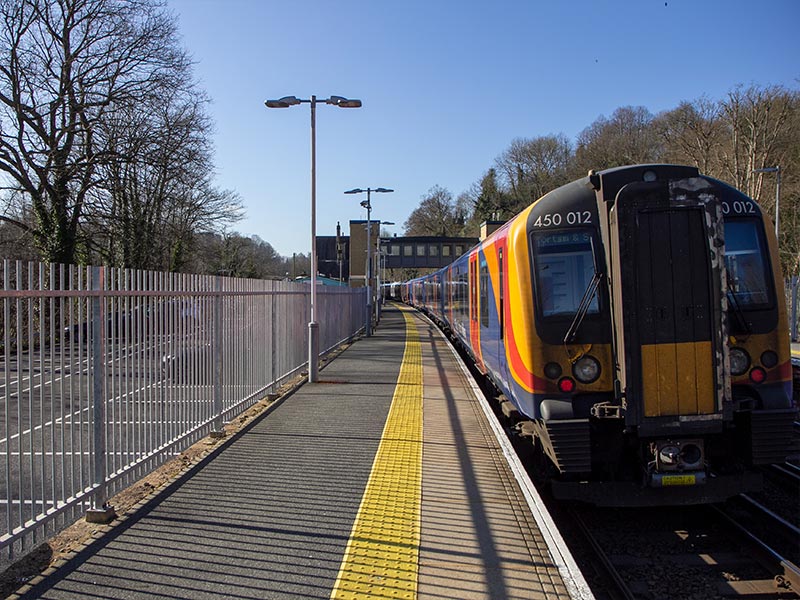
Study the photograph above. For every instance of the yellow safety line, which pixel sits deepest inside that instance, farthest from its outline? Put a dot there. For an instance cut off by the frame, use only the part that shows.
(382, 554)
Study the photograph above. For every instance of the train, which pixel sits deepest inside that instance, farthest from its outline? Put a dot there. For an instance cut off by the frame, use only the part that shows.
(633, 323)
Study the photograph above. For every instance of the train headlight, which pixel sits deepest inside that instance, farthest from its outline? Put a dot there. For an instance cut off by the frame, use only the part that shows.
(552, 370)
(769, 359)
(586, 369)
(740, 361)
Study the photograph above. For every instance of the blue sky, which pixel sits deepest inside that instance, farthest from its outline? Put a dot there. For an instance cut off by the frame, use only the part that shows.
(446, 86)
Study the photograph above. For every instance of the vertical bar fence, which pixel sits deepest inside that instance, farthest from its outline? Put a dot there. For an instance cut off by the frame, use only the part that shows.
(107, 373)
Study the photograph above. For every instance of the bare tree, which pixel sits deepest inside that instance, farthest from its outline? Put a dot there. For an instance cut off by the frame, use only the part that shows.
(64, 66)
(758, 122)
(530, 168)
(693, 133)
(156, 192)
(437, 214)
(627, 138)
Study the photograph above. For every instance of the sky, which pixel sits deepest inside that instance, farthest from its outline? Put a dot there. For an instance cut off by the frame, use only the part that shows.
(446, 86)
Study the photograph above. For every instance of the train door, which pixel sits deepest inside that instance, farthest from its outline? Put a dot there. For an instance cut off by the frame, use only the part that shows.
(475, 308)
(667, 284)
(501, 315)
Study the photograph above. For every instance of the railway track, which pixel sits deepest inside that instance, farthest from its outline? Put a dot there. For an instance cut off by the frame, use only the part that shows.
(692, 553)
(790, 472)
(757, 523)
(746, 548)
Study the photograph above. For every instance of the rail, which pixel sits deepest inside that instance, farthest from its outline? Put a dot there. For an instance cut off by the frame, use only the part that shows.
(107, 373)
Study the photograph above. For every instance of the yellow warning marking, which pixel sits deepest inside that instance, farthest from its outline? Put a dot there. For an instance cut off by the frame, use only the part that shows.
(381, 559)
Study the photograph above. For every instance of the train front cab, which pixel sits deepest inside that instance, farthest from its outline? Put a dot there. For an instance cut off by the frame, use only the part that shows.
(695, 392)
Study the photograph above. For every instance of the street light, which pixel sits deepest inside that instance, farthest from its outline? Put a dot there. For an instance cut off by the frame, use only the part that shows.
(366, 204)
(379, 277)
(313, 326)
(777, 171)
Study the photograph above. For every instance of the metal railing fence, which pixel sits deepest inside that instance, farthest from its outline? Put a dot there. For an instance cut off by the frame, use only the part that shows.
(107, 373)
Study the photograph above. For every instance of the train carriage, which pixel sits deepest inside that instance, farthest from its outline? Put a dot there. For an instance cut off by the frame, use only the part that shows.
(635, 320)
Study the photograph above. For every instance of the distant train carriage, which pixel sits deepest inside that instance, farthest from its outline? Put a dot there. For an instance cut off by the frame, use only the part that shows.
(635, 319)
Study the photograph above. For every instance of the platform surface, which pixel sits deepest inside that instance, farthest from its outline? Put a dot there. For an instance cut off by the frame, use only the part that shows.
(382, 480)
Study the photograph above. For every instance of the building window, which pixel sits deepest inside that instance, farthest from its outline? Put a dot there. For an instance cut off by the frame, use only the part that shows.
(408, 250)
(459, 250)
(433, 250)
(420, 249)
(394, 250)
(446, 250)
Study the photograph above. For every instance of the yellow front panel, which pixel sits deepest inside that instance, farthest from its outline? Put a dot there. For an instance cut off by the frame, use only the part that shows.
(678, 379)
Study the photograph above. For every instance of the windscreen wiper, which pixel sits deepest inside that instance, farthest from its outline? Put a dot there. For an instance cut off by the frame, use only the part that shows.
(737, 309)
(583, 307)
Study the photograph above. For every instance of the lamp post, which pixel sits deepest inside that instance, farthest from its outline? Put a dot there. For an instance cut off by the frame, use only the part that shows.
(380, 281)
(366, 204)
(313, 326)
(777, 171)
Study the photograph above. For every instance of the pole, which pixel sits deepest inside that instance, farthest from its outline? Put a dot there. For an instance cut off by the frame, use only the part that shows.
(339, 248)
(369, 270)
(216, 356)
(100, 510)
(313, 327)
(378, 279)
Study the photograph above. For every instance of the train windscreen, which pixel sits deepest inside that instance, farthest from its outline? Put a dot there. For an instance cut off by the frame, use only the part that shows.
(564, 267)
(745, 263)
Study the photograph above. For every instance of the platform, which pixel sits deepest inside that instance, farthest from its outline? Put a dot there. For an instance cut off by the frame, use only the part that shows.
(385, 479)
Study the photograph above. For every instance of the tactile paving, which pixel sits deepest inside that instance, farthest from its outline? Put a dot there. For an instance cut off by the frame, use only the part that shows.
(381, 559)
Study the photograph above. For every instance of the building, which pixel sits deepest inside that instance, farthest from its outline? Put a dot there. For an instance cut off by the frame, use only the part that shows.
(394, 258)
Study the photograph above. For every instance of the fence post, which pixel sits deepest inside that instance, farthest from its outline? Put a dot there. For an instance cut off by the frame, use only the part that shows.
(100, 511)
(216, 356)
(273, 339)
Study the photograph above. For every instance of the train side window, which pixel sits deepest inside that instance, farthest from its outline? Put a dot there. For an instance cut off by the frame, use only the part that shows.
(462, 294)
(745, 263)
(484, 292)
(564, 267)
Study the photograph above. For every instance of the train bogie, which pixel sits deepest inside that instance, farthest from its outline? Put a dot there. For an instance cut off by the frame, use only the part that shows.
(635, 320)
